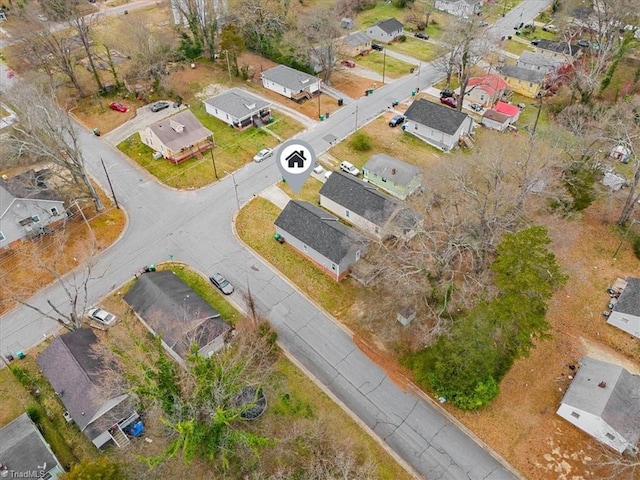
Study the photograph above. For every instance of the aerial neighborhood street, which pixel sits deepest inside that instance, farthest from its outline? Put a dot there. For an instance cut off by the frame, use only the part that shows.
(199, 228)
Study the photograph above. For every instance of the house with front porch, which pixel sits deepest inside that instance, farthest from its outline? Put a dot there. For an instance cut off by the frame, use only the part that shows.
(178, 138)
(485, 90)
(29, 207)
(385, 30)
(438, 125)
(291, 83)
(239, 109)
(75, 370)
(354, 44)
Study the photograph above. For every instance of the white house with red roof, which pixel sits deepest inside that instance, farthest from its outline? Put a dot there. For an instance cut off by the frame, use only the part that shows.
(485, 90)
(508, 109)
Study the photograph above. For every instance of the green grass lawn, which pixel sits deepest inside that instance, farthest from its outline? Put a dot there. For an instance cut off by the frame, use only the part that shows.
(233, 150)
(418, 49)
(381, 11)
(309, 191)
(205, 289)
(392, 67)
(255, 227)
(528, 116)
(494, 11)
(515, 47)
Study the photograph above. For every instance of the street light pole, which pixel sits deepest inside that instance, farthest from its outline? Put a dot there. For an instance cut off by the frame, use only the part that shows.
(213, 160)
(113, 194)
(319, 98)
(235, 187)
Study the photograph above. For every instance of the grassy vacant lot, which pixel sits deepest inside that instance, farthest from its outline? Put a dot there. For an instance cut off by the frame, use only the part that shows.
(255, 226)
(309, 191)
(381, 11)
(514, 46)
(392, 141)
(392, 67)
(418, 49)
(493, 11)
(233, 150)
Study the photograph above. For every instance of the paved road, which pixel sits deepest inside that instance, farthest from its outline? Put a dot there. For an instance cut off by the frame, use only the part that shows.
(193, 227)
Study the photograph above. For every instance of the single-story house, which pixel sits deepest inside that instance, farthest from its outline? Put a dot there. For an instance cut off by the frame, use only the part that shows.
(23, 450)
(436, 124)
(560, 50)
(460, 8)
(291, 83)
(495, 120)
(602, 401)
(523, 80)
(320, 237)
(178, 137)
(485, 90)
(171, 309)
(238, 108)
(625, 314)
(75, 371)
(364, 206)
(385, 30)
(354, 44)
(394, 176)
(509, 109)
(27, 206)
(538, 61)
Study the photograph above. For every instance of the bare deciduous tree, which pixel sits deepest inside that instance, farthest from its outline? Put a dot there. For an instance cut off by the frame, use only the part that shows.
(201, 18)
(46, 133)
(320, 33)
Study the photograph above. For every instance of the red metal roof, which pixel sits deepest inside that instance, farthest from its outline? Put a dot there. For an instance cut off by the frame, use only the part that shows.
(507, 109)
(490, 83)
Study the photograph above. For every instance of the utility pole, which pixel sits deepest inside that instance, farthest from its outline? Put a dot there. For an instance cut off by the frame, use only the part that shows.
(535, 124)
(356, 115)
(235, 186)
(319, 98)
(384, 63)
(226, 54)
(213, 160)
(113, 194)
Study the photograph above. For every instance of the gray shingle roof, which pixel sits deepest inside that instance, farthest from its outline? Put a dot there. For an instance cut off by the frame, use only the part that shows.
(389, 167)
(22, 448)
(74, 371)
(192, 133)
(360, 197)
(439, 117)
(629, 300)
(390, 25)
(538, 59)
(617, 403)
(495, 116)
(294, 80)
(30, 184)
(526, 74)
(238, 103)
(174, 311)
(356, 39)
(319, 229)
(559, 47)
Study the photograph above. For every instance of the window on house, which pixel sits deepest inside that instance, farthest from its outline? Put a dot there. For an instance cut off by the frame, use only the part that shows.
(36, 219)
(304, 247)
(384, 179)
(54, 212)
(227, 116)
(357, 255)
(625, 319)
(347, 213)
(2, 237)
(530, 84)
(610, 436)
(333, 267)
(575, 414)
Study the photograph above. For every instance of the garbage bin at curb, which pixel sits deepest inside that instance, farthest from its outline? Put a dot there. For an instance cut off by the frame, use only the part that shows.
(321, 118)
(340, 102)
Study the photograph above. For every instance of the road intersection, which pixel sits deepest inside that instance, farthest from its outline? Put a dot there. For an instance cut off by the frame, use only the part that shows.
(194, 227)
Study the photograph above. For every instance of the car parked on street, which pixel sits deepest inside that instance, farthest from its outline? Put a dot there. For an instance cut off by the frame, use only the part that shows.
(221, 283)
(450, 101)
(377, 46)
(421, 35)
(156, 107)
(118, 107)
(101, 316)
(446, 93)
(349, 168)
(397, 120)
(262, 154)
(348, 63)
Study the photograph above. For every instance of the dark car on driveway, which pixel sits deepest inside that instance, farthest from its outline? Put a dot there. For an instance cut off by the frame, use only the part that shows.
(451, 101)
(377, 47)
(156, 107)
(397, 120)
(221, 283)
(421, 35)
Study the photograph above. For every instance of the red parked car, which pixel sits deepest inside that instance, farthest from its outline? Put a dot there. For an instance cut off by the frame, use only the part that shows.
(118, 107)
(451, 101)
(349, 63)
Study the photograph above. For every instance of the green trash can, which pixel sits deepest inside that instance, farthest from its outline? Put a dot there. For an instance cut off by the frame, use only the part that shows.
(321, 118)
(20, 354)
(371, 91)
(152, 268)
(413, 93)
(270, 119)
